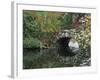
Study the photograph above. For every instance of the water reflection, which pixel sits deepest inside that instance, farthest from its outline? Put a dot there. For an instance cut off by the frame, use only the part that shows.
(44, 58)
(49, 58)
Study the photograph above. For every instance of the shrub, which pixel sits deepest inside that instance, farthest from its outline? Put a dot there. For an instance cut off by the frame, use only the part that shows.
(83, 36)
(31, 43)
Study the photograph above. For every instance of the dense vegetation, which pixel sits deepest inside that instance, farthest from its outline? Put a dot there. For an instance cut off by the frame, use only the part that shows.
(40, 30)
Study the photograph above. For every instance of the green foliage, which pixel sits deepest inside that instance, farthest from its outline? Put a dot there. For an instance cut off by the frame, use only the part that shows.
(31, 43)
(48, 21)
(66, 21)
(30, 26)
(35, 24)
(31, 31)
(43, 25)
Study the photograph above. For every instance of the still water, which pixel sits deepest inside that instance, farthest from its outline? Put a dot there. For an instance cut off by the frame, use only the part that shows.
(49, 58)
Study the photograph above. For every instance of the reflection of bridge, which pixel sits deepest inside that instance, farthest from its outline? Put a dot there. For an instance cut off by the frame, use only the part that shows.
(66, 45)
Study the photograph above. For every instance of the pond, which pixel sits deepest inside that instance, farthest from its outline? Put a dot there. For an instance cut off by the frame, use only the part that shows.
(49, 58)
